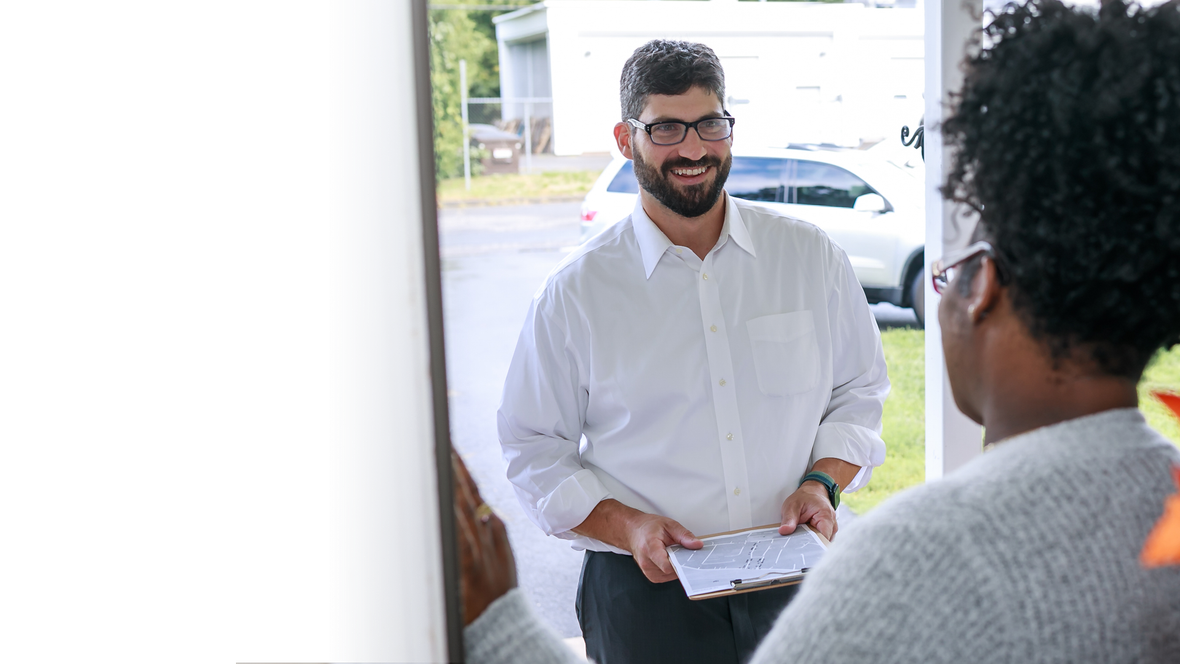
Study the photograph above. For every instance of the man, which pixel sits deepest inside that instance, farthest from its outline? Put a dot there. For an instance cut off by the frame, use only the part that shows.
(705, 365)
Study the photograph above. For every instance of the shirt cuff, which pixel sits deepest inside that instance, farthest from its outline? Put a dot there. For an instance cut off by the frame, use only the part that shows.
(570, 503)
(855, 444)
(509, 632)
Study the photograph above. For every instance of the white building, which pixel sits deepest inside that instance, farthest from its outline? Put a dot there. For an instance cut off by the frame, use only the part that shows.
(795, 71)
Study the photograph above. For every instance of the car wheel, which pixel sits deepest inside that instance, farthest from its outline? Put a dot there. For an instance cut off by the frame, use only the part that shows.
(918, 297)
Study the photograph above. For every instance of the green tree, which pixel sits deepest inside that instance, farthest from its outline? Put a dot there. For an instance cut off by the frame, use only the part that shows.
(461, 34)
(486, 83)
(451, 38)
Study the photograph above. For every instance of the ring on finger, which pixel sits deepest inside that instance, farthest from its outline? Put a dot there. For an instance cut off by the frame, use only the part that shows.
(484, 513)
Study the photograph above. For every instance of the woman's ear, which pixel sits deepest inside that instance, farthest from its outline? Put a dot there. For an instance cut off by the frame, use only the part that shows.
(985, 291)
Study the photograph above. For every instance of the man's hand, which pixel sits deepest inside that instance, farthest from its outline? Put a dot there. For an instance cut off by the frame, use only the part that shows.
(645, 536)
(650, 537)
(809, 504)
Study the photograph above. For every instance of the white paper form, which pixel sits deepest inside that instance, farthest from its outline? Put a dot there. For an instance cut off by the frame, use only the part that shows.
(751, 556)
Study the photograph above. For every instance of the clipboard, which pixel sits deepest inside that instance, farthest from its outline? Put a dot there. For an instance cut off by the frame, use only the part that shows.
(742, 585)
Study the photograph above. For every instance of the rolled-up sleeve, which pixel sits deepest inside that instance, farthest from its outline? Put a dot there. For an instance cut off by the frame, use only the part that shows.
(540, 426)
(850, 429)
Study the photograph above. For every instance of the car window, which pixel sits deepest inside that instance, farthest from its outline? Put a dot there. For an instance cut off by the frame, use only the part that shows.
(817, 183)
(624, 182)
(757, 178)
(751, 178)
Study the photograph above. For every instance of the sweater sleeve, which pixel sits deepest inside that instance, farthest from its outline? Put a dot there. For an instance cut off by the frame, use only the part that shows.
(890, 590)
(509, 632)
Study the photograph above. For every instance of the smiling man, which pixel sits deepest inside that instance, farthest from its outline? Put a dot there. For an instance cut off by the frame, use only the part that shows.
(704, 365)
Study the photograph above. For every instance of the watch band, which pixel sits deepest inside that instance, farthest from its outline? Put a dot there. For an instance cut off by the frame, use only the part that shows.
(829, 483)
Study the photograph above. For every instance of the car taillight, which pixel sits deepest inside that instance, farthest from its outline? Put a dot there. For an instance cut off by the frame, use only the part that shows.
(588, 215)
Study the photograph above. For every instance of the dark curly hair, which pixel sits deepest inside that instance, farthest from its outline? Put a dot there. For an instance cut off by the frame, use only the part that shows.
(668, 67)
(1067, 134)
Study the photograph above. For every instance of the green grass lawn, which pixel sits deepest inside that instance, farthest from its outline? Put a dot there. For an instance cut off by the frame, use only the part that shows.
(508, 186)
(904, 424)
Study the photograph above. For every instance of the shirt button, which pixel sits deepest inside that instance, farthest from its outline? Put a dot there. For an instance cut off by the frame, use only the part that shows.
(737, 492)
(705, 276)
(721, 382)
(679, 250)
(712, 328)
(729, 436)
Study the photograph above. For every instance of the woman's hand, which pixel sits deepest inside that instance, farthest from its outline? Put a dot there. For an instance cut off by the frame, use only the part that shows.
(485, 557)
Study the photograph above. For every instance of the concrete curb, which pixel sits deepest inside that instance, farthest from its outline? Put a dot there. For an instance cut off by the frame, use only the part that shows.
(486, 202)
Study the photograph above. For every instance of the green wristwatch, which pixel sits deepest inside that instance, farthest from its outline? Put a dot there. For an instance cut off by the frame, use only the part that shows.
(826, 480)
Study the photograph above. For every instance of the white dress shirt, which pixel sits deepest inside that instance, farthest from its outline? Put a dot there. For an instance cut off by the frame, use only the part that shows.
(701, 390)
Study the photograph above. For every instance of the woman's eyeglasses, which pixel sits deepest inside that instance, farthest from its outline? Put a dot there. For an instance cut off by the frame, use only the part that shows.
(945, 269)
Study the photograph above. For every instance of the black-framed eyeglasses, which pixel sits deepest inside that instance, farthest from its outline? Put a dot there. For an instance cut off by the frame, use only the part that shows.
(944, 270)
(672, 132)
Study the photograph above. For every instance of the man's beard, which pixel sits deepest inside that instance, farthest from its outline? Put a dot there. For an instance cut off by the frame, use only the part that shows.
(691, 201)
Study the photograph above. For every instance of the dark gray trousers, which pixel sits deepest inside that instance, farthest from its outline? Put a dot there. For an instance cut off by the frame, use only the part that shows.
(627, 619)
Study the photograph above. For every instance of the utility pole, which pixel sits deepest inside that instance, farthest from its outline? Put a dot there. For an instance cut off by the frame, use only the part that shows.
(466, 138)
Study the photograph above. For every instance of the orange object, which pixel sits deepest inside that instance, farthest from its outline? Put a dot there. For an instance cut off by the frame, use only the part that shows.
(1170, 400)
(1163, 543)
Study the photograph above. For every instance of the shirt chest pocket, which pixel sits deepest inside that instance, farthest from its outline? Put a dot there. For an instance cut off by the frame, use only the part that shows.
(786, 355)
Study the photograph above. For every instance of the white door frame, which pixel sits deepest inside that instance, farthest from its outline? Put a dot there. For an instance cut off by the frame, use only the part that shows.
(394, 581)
(952, 27)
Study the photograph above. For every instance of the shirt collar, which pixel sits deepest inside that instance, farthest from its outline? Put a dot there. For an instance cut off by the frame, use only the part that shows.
(735, 226)
(653, 243)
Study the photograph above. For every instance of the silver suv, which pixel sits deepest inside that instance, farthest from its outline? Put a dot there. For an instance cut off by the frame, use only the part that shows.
(869, 202)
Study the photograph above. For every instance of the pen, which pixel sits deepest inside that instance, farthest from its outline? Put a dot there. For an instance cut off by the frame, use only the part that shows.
(740, 584)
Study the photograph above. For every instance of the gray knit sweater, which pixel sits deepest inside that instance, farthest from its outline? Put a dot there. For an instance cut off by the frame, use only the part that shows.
(1027, 554)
